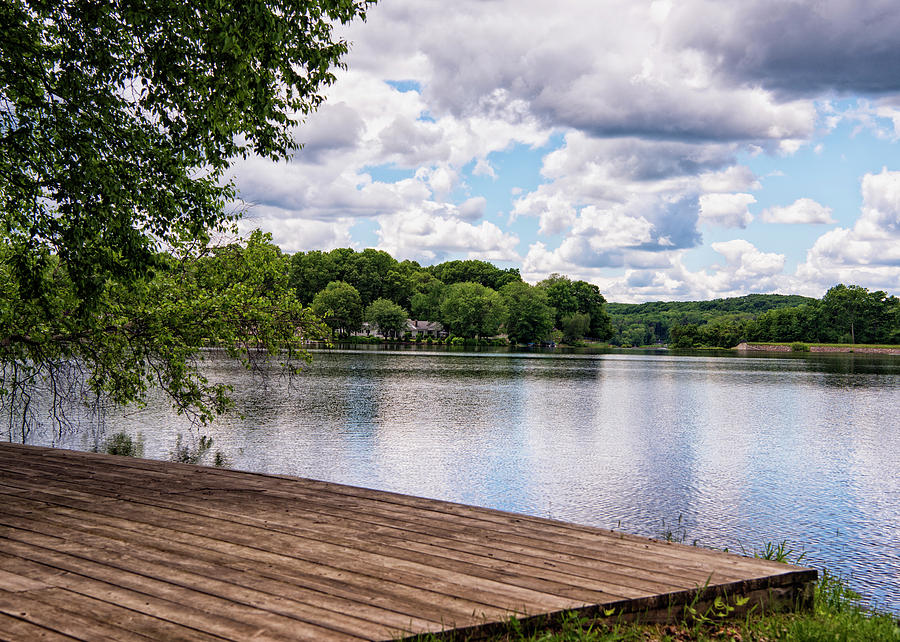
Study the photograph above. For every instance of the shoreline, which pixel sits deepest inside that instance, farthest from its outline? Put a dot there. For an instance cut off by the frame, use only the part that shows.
(812, 347)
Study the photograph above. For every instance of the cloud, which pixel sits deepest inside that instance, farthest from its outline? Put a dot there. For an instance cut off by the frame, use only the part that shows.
(432, 233)
(653, 181)
(803, 210)
(736, 178)
(869, 252)
(472, 209)
(655, 114)
(726, 210)
(294, 235)
(796, 48)
(747, 261)
(637, 79)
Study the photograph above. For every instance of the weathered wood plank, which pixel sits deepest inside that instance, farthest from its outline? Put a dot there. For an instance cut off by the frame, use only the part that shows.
(174, 551)
(14, 629)
(322, 607)
(624, 550)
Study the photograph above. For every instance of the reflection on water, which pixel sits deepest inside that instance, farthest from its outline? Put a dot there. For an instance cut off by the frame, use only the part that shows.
(742, 449)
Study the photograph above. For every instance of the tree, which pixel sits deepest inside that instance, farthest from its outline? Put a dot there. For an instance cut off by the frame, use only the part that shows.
(340, 306)
(474, 271)
(429, 292)
(387, 316)
(472, 310)
(684, 336)
(147, 334)
(847, 307)
(575, 326)
(311, 272)
(591, 302)
(118, 121)
(530, 317)
(570, 297)
(560, 295)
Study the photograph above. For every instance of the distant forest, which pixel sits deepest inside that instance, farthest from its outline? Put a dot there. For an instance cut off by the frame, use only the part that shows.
(474, 298)
(846, 314)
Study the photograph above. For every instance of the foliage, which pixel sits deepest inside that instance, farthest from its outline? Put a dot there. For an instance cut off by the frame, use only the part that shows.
(473, 271)
(646, 323)
(779, 553)
(426, 302)
(149, 333)
(122, 444)
(374, 273)
(569, 297)
(340, 306)
(472, 310)
(388, 317)
(575, 326)
(118, 121)
(845, 314)
(529, 316)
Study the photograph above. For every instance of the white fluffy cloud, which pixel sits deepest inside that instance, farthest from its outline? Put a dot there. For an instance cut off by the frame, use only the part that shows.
(869, 252)
(656, 104)
(803, 210)
(434, 234)
(726, 210)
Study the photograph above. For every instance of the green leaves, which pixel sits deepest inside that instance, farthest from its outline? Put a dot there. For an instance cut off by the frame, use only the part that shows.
(387, 317)
(340, 305)
(152, 332)
(118, 119)
(472, 310)
(530, 317)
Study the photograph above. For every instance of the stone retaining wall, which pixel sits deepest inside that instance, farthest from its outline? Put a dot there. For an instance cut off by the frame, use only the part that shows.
(768, 347)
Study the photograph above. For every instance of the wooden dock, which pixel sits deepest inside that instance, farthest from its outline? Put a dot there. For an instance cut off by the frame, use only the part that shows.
(96, 547)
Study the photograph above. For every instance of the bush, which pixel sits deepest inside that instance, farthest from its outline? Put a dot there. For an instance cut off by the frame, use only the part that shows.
(797, 346)
(186, 454)
(122, 444)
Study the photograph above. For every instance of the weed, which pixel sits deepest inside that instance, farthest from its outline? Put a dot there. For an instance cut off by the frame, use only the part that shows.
(779, 553)
(122, 444)
(679, 534)
(186, 454)
(220, 460)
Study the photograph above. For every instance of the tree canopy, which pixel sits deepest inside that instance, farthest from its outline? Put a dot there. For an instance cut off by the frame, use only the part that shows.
(530, 317)
(340, 306)
(846, 314)
(472, 310)
(388, 317)
(118, 121)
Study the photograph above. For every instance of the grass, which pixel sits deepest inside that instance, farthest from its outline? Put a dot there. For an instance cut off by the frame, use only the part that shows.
(838, 616)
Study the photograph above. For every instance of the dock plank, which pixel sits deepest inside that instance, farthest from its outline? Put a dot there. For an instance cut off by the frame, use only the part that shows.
(164, 550)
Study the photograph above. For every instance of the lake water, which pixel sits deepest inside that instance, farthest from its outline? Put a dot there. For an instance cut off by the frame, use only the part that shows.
(726, 450)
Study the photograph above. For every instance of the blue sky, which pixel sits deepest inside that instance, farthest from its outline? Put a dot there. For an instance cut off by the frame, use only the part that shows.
(662, 150)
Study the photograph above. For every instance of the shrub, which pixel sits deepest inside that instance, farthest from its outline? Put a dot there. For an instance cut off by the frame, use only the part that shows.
(122, 444)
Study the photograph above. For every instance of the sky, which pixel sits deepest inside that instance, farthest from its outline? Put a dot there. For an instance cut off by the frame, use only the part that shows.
(665, 150)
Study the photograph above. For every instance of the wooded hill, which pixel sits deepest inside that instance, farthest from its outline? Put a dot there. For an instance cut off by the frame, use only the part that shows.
(650, 323)
(846, 314)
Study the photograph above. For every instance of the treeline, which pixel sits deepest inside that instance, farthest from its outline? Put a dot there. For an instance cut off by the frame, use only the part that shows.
(470, 298)
(846, 314)
(638, 324)
(474, 299)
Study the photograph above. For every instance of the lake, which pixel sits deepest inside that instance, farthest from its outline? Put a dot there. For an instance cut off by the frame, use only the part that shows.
(725, 450)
